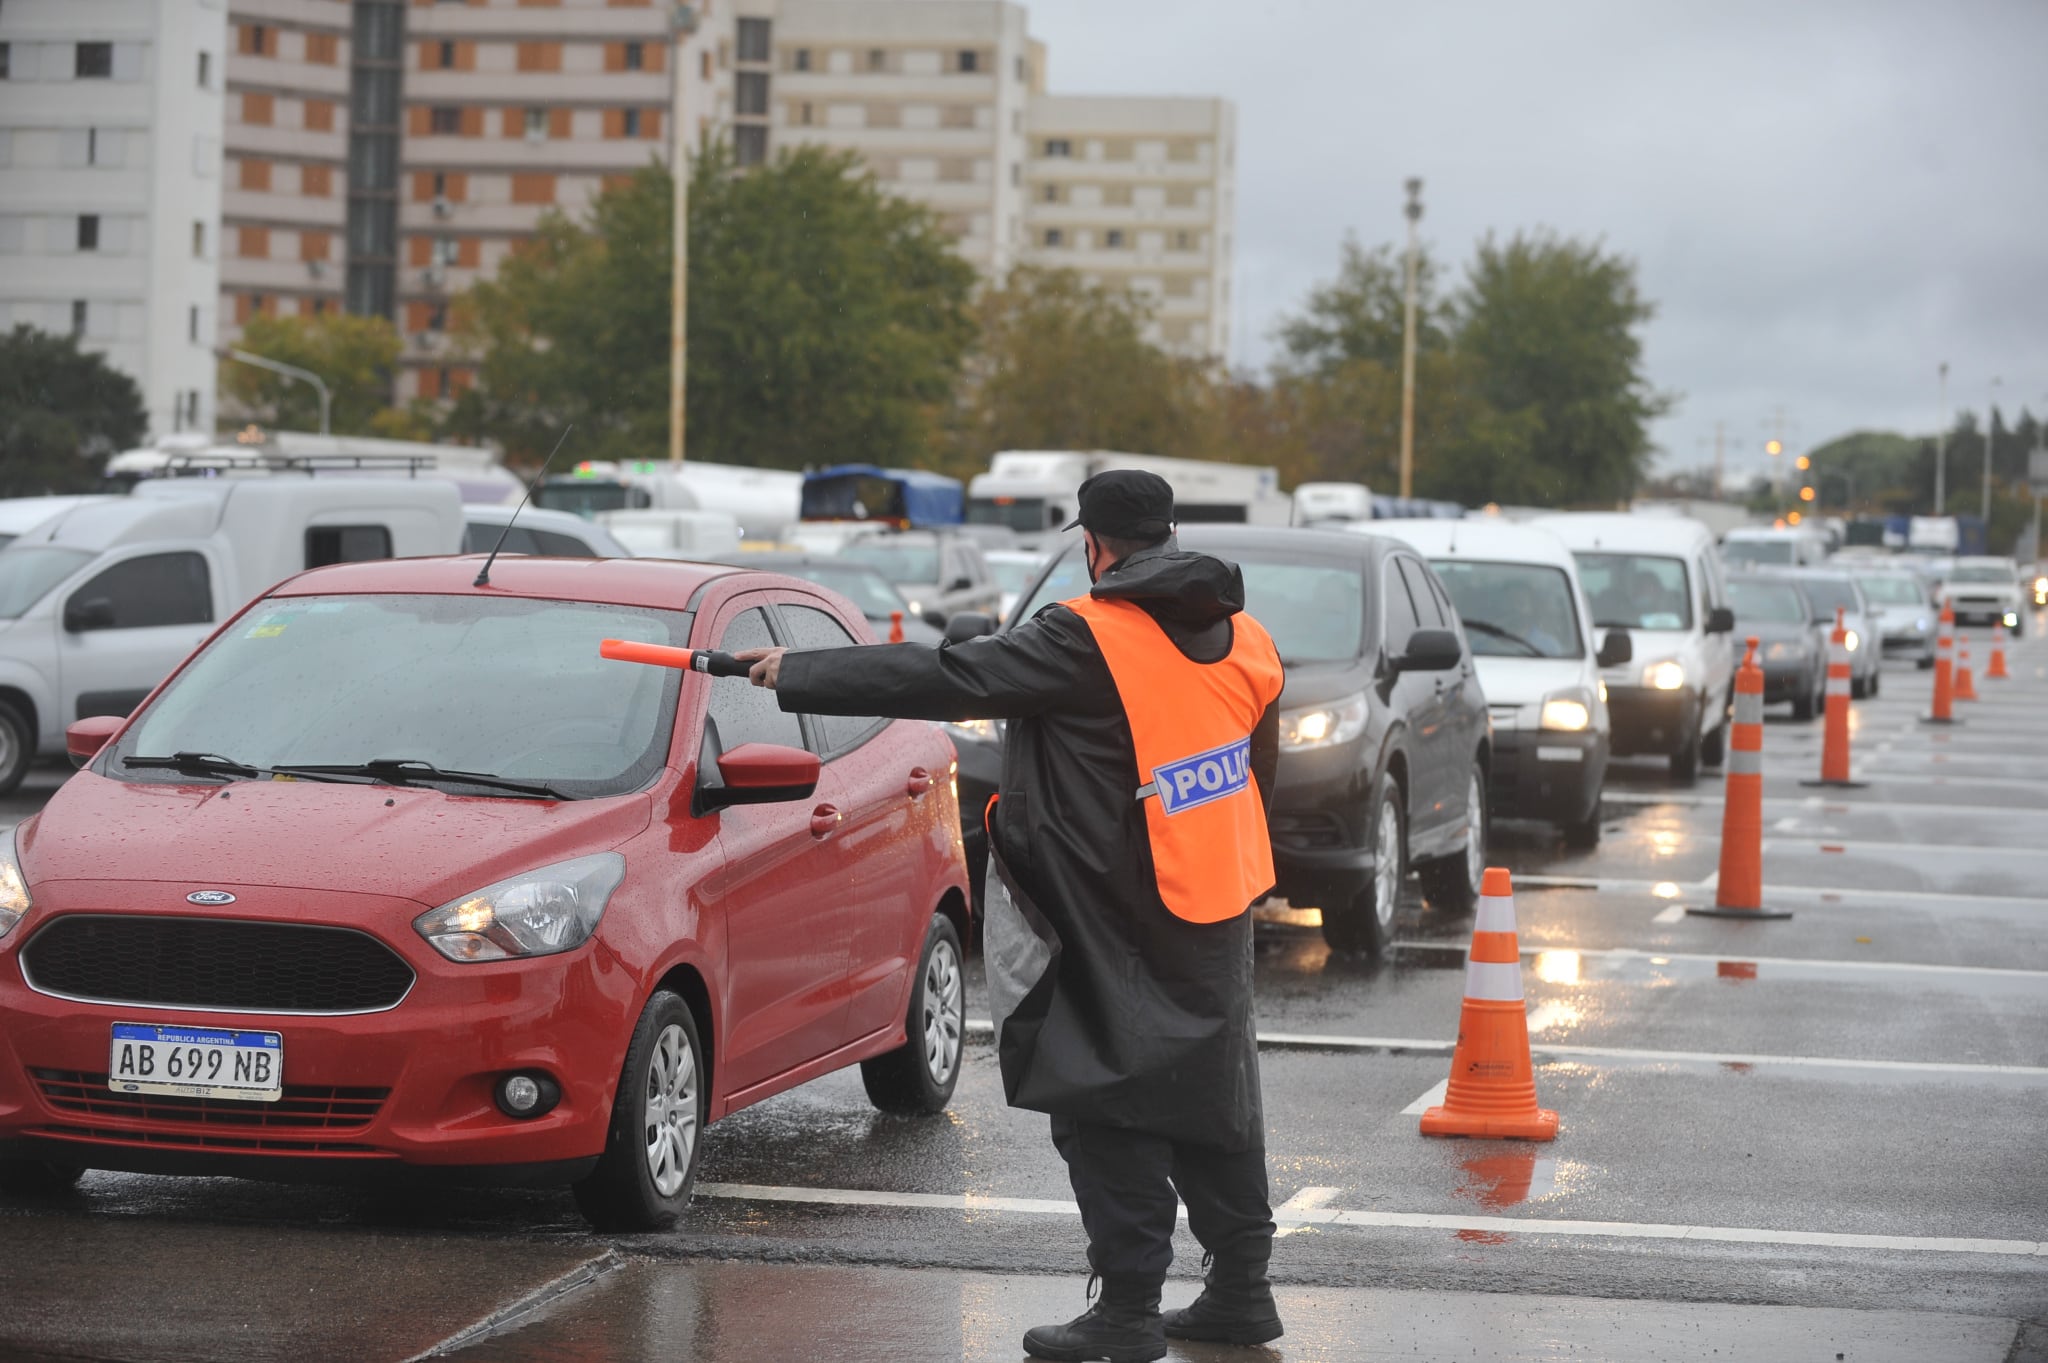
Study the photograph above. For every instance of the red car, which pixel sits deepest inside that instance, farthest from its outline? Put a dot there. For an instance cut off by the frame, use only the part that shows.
(396, 871)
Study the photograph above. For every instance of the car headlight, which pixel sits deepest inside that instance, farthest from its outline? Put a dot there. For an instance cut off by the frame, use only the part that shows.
(916, 607)
(1570, 713)
(553, 909)
(1664, 676)
(1850, 640)
(14, 900)
(975, 730)
(1322, 726)
(1920, 624)
(2011, 618)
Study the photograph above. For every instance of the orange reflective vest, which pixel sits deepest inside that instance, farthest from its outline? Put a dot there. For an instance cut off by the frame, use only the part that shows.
(1191, 724)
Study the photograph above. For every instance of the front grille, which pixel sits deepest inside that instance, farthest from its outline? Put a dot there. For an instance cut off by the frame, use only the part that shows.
(214, 963)
(303, 1107)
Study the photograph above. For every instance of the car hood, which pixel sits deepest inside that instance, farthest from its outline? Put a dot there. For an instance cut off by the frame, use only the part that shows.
(1771, 631)
(1525, 681)
(397, 841)
(1903, 615)
(1317, 683)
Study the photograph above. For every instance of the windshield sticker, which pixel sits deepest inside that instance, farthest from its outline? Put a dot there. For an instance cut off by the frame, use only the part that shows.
(1663, 620)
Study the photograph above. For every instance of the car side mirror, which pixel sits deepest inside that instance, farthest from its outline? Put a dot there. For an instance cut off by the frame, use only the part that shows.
(1720, 620)
(1431, 650)
(934, 617)
(84, 739)
(762, 774)
(960, 584)
(94, 612)
(968, 625)
(1615, 649)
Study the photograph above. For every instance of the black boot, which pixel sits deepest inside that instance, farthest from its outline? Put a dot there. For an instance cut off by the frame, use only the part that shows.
(1121, 1327)
(1236, 1306)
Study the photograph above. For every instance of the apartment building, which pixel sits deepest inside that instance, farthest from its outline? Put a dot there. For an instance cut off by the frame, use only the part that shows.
(110, 187)
(1139, 193)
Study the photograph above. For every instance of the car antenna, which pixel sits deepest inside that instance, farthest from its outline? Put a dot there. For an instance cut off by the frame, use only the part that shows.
(483, 576)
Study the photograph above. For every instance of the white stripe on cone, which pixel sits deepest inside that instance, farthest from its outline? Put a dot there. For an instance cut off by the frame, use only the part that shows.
(1496, 913)
(1501, 980)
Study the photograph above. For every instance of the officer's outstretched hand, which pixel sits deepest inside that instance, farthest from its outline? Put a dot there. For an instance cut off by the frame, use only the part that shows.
(767, 665)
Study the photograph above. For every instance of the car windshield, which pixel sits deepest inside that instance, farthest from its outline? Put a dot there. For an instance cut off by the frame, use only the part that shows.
(584, 496)
(1767, 603)
(508, 686)
(1892, 590)
(897, 559)
(1514, 610)
(1014, 574)
(1636, 591)
(1025, 515)
(1315, 610)
(1826, 593)
(1742, 553)
(865, 587)
(28, 572)
(1983, 572)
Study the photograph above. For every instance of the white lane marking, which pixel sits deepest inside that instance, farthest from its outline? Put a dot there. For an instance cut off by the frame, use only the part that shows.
(1968, 853)
(1674, 914)
(1636, 953)
(1648, 888)
(1548, 1014)
(1638, 1230)
(1650, 799)
(1431, 1096)
(1308, 1199)
(1786, 825)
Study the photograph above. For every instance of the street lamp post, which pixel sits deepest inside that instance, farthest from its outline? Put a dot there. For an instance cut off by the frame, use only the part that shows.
(682, 25)
(290, 371)
(1990, 424)
(1414, 213)
(1941, 448)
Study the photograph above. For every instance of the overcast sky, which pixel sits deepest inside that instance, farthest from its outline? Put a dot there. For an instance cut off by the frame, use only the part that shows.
(1825, 200)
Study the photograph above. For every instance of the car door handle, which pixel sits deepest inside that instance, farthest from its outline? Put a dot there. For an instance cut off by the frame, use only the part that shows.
(919, 783)
(824, 819)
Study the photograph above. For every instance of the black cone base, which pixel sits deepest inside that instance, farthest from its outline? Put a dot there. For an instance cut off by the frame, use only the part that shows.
(1716, 911)
(1842, 785)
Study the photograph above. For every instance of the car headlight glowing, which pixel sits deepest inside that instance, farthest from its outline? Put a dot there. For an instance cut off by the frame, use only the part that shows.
(14, 900)
(552, 909)
(975, 730)
(1322, 726)
(1850, 639)
(1920, 624)
(1664, 676)
(1570, 713)
(2011, 618)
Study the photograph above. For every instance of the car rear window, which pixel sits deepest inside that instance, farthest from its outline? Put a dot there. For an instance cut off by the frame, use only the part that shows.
(1767, 603)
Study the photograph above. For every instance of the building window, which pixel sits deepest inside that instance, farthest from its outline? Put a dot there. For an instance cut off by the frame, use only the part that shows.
(629, 123)
(5, 60)
(1055, 237)
(970, 61)
(540, 57)
(88, 231)
(753, 40)
(445, 58)
(78, 317)
(750, 93)
(322, 48)
(878, 60)
(536, 123)
(198, 241)
(1023, 71)
(437, 317)
(444, 120)
(316, 182)
(92, 146)
(255, 174)
(205, 71)
(1058, 146)
(635, 59)
(319, 116)
(446, 251)
(803, 114)
(801, 60)
(258, 110)
(1114, 239)
(319, 307)
(750, 144)
(255, 40)
(1049, 194)
(1183, 241)
(531, 189)
(95, 60)
(192, 323)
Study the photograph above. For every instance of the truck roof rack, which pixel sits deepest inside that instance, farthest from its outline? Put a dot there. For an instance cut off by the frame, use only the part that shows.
(200, 465)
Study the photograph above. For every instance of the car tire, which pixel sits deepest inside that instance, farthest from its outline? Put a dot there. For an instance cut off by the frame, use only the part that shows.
(1876, 685)
(1450, 885)
(919, 1076)
(1925, 664)
(1583, 835)
(37, 1178)
(641, 1184)
(1685, 763)
(1714, 746)
(1364, 923)
(17, 748)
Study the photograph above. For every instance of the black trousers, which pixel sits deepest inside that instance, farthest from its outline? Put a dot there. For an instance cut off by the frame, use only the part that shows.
(1126, 1183)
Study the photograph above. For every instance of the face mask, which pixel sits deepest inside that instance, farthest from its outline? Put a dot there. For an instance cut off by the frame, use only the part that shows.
(1089, 556)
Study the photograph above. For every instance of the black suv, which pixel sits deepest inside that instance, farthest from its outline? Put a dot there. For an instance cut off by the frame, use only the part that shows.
(1384, 744)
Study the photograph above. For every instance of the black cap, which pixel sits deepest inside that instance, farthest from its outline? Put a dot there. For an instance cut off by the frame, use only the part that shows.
(1127, 504)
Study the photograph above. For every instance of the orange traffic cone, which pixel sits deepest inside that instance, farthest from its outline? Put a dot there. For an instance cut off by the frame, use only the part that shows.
(1944, 670)
(1997, 672)
(1493, 1086)
(1739, 889)
(1834, 753)
(1966, 684)
(895, 627)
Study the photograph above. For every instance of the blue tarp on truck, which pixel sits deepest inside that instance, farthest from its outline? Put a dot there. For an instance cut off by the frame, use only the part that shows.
(909, 498)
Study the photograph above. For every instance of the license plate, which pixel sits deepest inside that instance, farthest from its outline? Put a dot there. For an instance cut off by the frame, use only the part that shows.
(196, 1062)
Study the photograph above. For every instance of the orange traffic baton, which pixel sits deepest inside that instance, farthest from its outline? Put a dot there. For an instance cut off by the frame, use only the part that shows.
(895, 627)
(1944, 670)
(1739, 889)
(1834, 753)
(1492, 1091)
(1997, 672)
(661, 655)
(1966, 683)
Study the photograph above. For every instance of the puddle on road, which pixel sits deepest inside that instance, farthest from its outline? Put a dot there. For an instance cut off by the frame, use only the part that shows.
(1506, 1180)
(1564, 966)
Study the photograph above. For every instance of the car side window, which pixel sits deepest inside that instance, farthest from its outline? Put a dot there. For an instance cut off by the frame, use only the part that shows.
(1444, 607)
(1428, 614)
(327, 544)
(555, 544)
(748, 714)
(809, 627)
(480, 537)
(1401, 616)
(155, 589)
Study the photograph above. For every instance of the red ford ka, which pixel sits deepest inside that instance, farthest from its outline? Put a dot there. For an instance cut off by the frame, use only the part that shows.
(396, 871)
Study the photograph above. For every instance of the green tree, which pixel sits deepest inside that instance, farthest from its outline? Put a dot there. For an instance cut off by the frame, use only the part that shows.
(1360, 314)
(355, 355)
(827, 319)
(62, 411)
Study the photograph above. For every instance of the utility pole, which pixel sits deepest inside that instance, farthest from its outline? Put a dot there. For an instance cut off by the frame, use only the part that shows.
(1941, 448)
(290, 371)
(1414, 212)
(1720, 460)
(1990, 425)
(682, 25)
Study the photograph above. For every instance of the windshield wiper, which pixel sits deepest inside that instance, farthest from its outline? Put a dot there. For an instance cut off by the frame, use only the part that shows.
(1497, 632)
(213, 764)
(400, 771)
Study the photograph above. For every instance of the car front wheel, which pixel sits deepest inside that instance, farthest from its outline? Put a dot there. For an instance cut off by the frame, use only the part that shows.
(919, 1075)
(642, 1183)
(37, 1178)
(17, 748)
(1451, 884)
(1364, 923)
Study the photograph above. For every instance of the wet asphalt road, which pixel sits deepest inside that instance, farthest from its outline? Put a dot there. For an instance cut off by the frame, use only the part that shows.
(1818, 1138)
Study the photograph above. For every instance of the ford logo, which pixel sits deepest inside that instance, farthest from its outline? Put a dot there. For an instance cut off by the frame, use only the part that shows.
(209, 897)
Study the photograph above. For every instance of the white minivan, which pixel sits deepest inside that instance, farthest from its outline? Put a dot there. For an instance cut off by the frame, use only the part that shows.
(1539, 657)
(99, 603)
(1659, 578)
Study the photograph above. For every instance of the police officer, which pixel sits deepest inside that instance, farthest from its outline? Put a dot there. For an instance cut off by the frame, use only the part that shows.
(1126, 846)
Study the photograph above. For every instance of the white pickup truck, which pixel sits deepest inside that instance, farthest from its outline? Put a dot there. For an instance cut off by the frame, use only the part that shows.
(1984, 591)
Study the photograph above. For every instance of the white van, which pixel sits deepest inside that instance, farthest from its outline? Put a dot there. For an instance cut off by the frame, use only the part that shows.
(1319, 503)
(19, 515)
(1659, 578)
(98, 604)
(1753, 547)
(1517, 591)
(673, 534)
